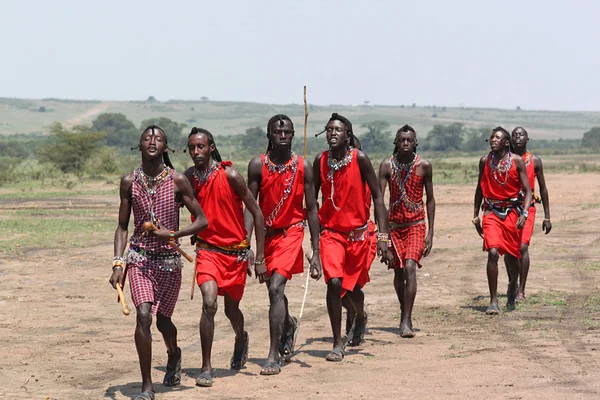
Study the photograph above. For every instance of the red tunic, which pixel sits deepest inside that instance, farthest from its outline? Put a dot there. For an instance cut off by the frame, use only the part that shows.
(343, 207)
(499, 233)
(281, 200)
(529, 224)
(224, 210)
(345, 254)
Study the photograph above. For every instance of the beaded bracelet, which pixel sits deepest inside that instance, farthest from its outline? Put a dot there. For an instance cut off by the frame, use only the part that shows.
(261, 262)
(118, 262)
(383, 237)
(172, 236)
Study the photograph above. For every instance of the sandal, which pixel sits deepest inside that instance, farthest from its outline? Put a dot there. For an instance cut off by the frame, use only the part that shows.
(336, 355)
(271, 368)
(145, 395)
(205, 379)
(239, 358)
(288, 341)
(173, 375)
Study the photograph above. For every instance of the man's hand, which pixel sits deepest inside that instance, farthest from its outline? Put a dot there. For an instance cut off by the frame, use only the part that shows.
(117, 276)
(162, 234)
(521, 221)
(546, 226)
(316, 271)
(250, 261)
(384, 252)
(428, 245)
(479, 228)
(260, 269)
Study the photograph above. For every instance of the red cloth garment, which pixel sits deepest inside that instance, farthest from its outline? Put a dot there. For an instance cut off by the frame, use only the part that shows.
(281, 193)
(347, 211)
(406, 192)
(529, 226)
(284, 253)
(149, 283)
(408, 243)
(529, 168)
(344, 258)
(501, 232)
(224, 210)
(228, 271)
(372, 253)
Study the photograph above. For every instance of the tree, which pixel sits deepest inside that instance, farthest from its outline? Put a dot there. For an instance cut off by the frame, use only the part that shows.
(70, 149)
(254, 141)
(378, 138)
(476, 139)
(120, 132)
(174, 130)
(591, 139)
(443, 138)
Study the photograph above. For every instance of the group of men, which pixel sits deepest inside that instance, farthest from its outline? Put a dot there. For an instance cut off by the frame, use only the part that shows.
(344, 239)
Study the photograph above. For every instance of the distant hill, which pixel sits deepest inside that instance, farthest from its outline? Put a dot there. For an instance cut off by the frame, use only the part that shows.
(223, 118)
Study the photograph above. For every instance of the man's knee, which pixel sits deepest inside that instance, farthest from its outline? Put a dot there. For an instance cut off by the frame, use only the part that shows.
(276, 290)
(335, 284)
(493, 255)
(524, 248)
(232, 310)
(410, 269)
(144, 315)
(163, 323)
(209, 306)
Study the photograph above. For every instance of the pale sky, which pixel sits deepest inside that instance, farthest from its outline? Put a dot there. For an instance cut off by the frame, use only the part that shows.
(535, 54)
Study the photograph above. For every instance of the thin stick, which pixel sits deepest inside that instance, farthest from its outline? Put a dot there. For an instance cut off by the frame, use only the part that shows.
(193, 283)
(124, 307)
(305, 120)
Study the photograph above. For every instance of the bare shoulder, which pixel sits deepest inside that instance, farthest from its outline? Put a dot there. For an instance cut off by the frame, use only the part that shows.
(256, 162)
(425, 164)
(307, 164)
(231, 173)
(181, 179)
(127, 179)
(537, 161)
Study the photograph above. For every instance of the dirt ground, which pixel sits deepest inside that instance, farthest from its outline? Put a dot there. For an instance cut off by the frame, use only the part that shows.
(64, 336)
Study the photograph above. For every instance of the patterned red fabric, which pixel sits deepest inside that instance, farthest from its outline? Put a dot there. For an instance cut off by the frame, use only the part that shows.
(408, 243)
(151, 284)
(284, 253)
(223, 208)
(491, 189)
(162, 203)
(502, 234)
(345, 259)
(349, 196)
(226, 270)
(529, 226)
(400, 213)
(271, 192)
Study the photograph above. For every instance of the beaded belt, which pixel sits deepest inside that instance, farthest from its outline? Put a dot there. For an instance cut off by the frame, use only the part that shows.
(355, 235)
(169, 260)
(502, 207)
(276, 231)
(240, 251)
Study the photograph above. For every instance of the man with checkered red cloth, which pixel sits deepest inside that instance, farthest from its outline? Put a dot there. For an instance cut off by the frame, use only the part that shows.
(155, 193)
(408, 174)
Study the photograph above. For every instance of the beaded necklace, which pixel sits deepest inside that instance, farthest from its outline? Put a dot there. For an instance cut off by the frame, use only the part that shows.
(500, 167)
(397, 169)
(151, 185)
(202, 176)
(334, 166)
(279, 168)
(527, 158)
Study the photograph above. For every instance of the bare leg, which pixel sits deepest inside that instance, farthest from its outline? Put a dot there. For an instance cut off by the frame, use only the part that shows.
(513, 266)
(492, 276)
(207, 322)
(410, 292)
(169, 332)
(233, 312)
(357, 300)
(399, 286)
(143, 344)
(334, 308)
(524, 271)
(350, 313)
(278, 314)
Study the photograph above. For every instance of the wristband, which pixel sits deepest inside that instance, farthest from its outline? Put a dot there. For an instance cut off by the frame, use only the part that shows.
(172, 236)
(525, 213)
(261, 262)
(476, 221)
(547, 219)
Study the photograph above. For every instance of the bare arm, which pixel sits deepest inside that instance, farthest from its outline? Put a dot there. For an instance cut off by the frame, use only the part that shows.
(385, 174)
(317, 175)
(122, 226)
(254, 180)
(428, 184)
(539, 172)
(189, 201)
(479, 198)
(312, 215)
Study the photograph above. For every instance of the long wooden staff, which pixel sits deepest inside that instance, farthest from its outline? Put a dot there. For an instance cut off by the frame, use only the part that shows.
(149, 226)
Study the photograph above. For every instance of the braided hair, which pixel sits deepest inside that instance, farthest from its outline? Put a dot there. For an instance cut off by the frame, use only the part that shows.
(166, 159)
(215, 153)
(505, 135)
(405, 128)
(280, 118)
(337, 117)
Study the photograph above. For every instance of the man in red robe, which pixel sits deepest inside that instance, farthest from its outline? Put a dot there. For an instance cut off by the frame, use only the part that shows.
(535, 169)
(408, 174)
(502, 177)
(223, 249)
(342, 173)
(282, 181)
